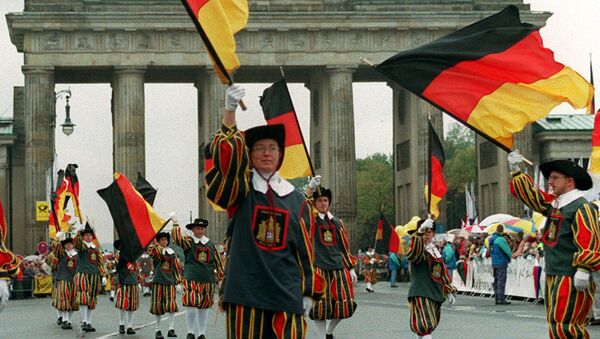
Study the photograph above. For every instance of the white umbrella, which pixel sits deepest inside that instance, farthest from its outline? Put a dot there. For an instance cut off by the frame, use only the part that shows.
(495, 219)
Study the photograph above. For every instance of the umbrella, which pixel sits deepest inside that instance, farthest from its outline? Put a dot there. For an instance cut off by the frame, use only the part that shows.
(459, 232)
(521, 225)
(496, 218)
(473, 229)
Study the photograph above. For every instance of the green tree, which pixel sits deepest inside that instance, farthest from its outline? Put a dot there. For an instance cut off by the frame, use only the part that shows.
(374, 188)
(459, 169)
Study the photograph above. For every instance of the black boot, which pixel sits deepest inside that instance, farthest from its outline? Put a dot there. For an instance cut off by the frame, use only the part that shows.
(159, 335)
(328, 336)
(171, 334)
(122, 329)
(202, 336)
(59, 321)
(130, 331)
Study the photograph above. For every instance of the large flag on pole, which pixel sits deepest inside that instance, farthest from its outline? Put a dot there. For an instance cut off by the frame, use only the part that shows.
(495, 76)
(217, 21)
(64, 201)
(278, 108)
(386, 236)
(136, 222)
(436, 188)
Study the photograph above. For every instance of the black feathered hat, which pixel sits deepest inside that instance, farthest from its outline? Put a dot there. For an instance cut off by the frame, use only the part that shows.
(163, 235)
(197, 222)
(322, 192)
(582, 179)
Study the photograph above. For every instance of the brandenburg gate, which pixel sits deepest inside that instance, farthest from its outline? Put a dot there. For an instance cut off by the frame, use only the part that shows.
(130, 43)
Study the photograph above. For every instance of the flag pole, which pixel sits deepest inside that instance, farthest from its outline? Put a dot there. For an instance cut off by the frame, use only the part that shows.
(429, 127)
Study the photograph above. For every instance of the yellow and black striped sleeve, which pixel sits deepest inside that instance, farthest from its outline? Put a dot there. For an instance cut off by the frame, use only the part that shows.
(347, 257)
(227, 180)
(154, 250)
(179, 239)
(522, 188)
(416, 249)
(178, 271)
(313, 284)
(586, 238)
(78, 243)
(101, 264)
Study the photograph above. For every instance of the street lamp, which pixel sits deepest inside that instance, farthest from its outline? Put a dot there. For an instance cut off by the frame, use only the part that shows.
(68, 126)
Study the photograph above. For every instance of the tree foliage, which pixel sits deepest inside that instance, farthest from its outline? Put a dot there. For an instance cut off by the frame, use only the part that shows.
(374, 188)
(459, 169)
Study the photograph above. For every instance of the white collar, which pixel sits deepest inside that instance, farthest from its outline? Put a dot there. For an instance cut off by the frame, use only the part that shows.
(371, 252)
(89, 244)
(329, 215)
(279, 185)
(168, 250)
(202, 239)
(72, 252)
(567, 198)
(432, 249)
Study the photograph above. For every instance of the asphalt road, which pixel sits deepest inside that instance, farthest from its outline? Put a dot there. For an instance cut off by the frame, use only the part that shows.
(380, 315)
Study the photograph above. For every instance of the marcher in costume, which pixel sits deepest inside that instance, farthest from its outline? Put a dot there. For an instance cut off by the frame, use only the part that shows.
(145, 263)
(165, 284)
(430, 282)
(202, 264)
(127, 290)
(369, 261)
(64, 298)
(269, 274)
(90, 275)
(571, 241)
(52, 261)
(111, 270)
(333, 261)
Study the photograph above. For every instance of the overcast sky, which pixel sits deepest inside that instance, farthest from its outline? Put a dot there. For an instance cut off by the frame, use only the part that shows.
(171, 114)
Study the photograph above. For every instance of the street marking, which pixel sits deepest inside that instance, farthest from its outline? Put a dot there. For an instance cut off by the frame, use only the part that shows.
(139, 327)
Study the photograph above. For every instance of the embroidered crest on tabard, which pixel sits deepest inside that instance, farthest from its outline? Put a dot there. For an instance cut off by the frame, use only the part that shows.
(436, 270)
(92, 256)
(166, 264)
(202, 254)
(269, 227)
(552, 227)
(327, 233)
(71, 263)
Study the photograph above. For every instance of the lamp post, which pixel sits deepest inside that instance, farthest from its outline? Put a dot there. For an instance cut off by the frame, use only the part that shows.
(67, 127)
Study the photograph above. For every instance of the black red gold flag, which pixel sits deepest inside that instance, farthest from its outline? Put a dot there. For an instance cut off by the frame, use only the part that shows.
(436, 188)
(146, 190)
(136, 222)
(278, 108)
(386, 236)
(67, 191)
(217, 21)
(495, 76)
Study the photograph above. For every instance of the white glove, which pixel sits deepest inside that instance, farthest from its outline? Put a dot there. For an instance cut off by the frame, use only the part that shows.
(103, 280)
(427, 224)
(60, 236)
(314, 182)
(372, 261)
(514, 160)
(581, 280)
(173, 217)
(307, 305)
(233, 95)
(451, 299)
(178, 288)
(353, 276)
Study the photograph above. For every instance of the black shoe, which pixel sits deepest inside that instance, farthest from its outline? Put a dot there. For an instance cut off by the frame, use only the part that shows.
(84, 327)
(64, 325)
(59, 321)
(130, 331)
(159, 335)
(504, 302)
(595, 322)
(171, 334)
(202, 336)
(393, 285)
(192, 336)
(328, 336)
(122, 329)
(90, 328)
(111, 299)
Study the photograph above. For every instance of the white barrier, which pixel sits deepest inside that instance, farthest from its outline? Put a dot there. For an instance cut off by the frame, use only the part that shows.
(519, 281)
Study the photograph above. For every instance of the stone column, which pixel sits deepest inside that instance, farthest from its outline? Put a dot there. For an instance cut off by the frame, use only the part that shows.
(128, 121)
(342, 155)
(211, 96)
(39, 141)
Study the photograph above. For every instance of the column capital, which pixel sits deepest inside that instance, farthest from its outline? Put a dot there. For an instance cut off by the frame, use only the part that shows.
(130, 70)
(341, 68)
(30, 69)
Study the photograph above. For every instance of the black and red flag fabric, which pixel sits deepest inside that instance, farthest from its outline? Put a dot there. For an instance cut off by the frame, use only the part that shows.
(217, 21)
(278, 108)
(67, 192)
(386, 236)
(9, 263)
(495, 76)
(136, 222)
(436, 188)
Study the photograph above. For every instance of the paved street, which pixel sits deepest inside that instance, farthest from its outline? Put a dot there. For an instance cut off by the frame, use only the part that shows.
(380, 315)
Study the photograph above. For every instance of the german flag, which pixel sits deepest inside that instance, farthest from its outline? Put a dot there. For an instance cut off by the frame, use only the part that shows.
(278, 108)
(67, 190)
(145, 189)
(595, 156)
(136, 222)
(495, 76)
(217, 21)
(435, 178)
(386, 232)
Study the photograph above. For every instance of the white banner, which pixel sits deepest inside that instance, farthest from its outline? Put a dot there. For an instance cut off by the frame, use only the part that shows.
(520, 280)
